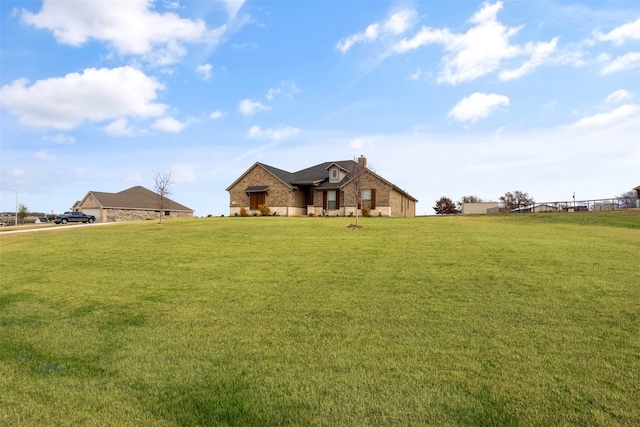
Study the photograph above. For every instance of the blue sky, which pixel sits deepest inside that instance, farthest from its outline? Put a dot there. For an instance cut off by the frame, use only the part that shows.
(444, 98)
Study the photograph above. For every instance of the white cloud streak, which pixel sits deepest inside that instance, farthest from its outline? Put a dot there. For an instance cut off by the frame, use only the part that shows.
(249, 107)
(272, 134)
(169, 124)
(609, 118)
(620, 95)
(119, 127)
(621, 34)
(477, 106)
(397, 23)
(217, 115)
(628, 61)
(481, 50)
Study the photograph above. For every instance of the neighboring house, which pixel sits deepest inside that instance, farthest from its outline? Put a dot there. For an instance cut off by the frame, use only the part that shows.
(478, 208)
(637, 191)
(325, 189)
(131, 204)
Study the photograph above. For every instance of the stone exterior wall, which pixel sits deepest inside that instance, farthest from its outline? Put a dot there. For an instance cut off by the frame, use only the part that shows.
(117, 215)
(401, 205)
(389, 202)
(276, 197)
(90, 203)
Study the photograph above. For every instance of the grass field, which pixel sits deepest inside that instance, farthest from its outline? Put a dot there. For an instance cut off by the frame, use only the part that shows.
(479, 320)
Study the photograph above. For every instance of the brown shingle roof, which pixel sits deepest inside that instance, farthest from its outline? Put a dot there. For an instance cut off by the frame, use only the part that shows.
(136, 198)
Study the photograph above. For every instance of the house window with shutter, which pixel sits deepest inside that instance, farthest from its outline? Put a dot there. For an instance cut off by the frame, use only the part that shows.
(369, 197)
(331, 200)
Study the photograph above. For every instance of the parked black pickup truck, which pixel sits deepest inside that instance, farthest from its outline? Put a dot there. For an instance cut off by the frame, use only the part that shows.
(74, 217)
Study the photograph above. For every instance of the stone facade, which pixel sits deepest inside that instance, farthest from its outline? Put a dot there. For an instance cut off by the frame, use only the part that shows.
(276, 198)
(136, 203)
(287, 199)
(117, 215)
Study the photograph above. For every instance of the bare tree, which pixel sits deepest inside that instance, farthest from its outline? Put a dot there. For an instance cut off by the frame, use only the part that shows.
(163, 182)
(517, 199)
(628, 199)
(356, 171)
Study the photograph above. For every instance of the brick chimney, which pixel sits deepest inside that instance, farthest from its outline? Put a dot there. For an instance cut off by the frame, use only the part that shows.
(362, 161)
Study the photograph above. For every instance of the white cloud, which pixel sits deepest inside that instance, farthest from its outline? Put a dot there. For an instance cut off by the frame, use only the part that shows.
(618, 36)
(481, 50)
(285, 88)
(620, 95)
(628, 61)
(273, 134)
(416, 75)
(539, 54)
(249, 107)
(44, 155)
(400, 22)
(60, 139)
(184, 173)
(94, 95)
(397, 23)
(477, 106)
(604, 119)
(169, 124)
(172, 5)
(119, 127)
(233, 7)
(205, 71)
(129, 27)
(216, 115)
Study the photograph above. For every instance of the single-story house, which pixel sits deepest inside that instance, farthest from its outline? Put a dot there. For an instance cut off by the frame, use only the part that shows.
(637, 190)
(328, 188)
(131, 204)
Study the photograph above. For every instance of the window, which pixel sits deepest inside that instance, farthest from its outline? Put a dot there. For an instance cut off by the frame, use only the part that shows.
(366, 198)
(167, 213)
(331, 199)
(369, 198)
(334, 175)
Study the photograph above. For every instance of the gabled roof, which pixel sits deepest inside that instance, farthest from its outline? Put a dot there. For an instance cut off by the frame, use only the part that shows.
(318, 176)
(283, 176)
(135, 198)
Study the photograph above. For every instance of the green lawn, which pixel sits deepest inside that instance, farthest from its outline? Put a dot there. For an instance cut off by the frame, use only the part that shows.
(480, 320)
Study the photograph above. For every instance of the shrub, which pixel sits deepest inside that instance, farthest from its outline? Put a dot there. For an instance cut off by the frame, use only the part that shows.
(264, 209)
(243, 212)
(366, 210)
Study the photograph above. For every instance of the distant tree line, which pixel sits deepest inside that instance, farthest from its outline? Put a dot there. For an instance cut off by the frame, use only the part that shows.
(514, 200)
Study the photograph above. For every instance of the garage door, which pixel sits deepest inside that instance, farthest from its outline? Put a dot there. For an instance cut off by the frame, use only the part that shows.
(95, 212)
